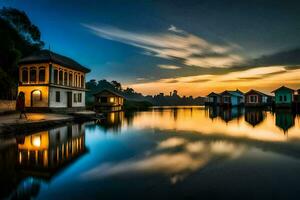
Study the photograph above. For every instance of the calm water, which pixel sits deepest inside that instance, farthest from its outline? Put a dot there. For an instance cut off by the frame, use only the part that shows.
(163, 153)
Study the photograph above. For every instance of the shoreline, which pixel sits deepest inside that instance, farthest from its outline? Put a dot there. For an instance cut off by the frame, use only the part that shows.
(48, 120)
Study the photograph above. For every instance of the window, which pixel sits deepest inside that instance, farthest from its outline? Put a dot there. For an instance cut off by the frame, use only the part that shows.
(56, 76)
(103, 99)
(24, 75)
(79, 97)
(280, 98)
(75, 97)
(60, 77)
(284, 97)
(82, 81)
(65, 78)
(253, 99)
(226, 99)
(57, 96)
(42, 74)
(32, 74)
(70, 79)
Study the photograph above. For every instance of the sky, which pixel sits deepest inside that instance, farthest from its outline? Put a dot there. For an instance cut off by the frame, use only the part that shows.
(192, 46)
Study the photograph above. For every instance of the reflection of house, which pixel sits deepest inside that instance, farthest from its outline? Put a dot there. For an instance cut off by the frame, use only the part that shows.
(256, 98)
(43, 153)
(112, 121)
(107, 101)
(284, 119)
(230, 114)
(232, 98)
(213, 99)
(52, 82)
(254, 116)
(214, 112)
(283, 97)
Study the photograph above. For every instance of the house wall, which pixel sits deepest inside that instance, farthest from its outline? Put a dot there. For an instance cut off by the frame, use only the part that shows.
(64, 98)
(287, 93)
(29, 89)
(248, 98)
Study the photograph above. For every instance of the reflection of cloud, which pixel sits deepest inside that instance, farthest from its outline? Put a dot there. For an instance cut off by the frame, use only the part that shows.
(171, 143)
(176, 44)
(192, 157)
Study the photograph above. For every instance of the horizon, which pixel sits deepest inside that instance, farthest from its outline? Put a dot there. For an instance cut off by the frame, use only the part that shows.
(225, 46)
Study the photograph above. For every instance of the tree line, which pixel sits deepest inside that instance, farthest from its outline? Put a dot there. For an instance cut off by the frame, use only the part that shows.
(160, 99)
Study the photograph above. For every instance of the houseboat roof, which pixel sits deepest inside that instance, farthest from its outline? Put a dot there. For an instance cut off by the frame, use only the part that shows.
(213, 94)
(49, 56)
(258, 92)
(110, 91)
(233, 93)
(283, 88)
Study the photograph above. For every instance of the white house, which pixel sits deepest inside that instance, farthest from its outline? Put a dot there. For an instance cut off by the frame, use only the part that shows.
(52, 82)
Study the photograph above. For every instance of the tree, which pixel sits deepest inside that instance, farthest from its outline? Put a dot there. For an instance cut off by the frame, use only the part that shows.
(18, 38)
(117, 85)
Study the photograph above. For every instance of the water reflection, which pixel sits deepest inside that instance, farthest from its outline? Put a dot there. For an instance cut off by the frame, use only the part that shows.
(162, 153)
(175, 157)
(254, 116)
(26, 160)
(285, 119)
(259, 124)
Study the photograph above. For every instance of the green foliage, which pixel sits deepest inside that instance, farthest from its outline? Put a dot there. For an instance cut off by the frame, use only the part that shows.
(18, 38)
(136, 105)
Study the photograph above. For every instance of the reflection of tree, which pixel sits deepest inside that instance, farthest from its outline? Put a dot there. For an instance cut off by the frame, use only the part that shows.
(254, 116)
(285, 119)
(28, 189)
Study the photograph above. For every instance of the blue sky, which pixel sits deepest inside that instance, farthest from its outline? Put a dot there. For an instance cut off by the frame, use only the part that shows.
(177, 44)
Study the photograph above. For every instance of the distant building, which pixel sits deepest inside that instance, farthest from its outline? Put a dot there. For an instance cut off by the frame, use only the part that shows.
(232, 98)
(213, 99)
(284, 97)
(297, 98)
(108, 101)
(256, 98)
(52, 82)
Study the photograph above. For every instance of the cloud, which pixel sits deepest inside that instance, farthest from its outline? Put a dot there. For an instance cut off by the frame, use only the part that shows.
(175, 29)
(174, 46)
(262, 78)
(169, 67)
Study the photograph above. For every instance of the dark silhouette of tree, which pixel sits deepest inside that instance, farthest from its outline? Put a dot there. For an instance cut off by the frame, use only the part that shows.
(160, 100)
(117, 85)
(18, 38)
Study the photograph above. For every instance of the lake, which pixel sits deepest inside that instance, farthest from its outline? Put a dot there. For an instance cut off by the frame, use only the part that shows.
(162, 153)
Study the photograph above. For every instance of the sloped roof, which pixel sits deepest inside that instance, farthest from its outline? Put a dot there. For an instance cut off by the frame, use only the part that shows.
(110, 91)
(49, 56)
(258, 92)
(233, 93)
(213, 94)
(283, 88)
